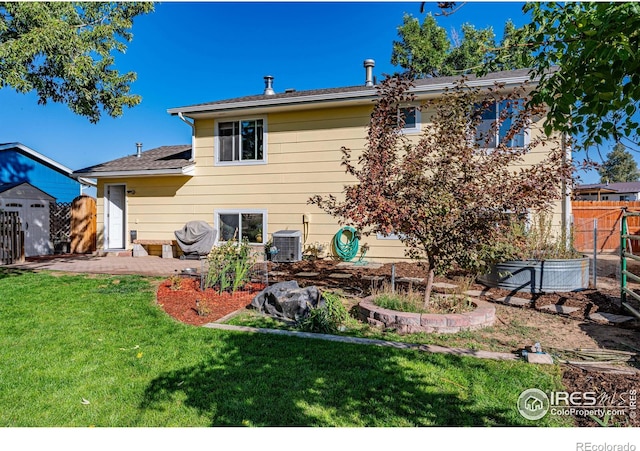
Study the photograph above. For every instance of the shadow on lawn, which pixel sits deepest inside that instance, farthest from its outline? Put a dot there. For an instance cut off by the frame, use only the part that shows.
(279, 381)
(12, 272)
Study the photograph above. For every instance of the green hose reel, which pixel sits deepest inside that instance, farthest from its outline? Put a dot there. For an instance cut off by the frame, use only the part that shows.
(349, 249)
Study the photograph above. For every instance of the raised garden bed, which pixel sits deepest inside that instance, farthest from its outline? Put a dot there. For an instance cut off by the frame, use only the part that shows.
(540, 276)
(482, 316)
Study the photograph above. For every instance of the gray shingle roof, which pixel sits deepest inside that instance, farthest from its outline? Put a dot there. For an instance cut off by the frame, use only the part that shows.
(420, 84)
(620, 187)
(165, 157)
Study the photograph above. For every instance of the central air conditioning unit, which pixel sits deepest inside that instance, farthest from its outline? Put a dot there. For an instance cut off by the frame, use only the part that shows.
(288, 246)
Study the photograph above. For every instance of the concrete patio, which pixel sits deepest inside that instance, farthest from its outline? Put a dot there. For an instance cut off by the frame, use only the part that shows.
(94, 264)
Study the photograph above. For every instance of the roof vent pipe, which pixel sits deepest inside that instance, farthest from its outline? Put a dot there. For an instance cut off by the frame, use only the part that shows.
(138, 149)
(268, 86)
(368, 65)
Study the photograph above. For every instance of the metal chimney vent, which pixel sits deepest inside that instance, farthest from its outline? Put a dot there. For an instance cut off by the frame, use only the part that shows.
(138, 149)
(268, 86)
(368, 65)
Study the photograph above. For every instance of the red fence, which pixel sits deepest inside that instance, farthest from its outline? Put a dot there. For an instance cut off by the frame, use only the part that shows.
(605, 216)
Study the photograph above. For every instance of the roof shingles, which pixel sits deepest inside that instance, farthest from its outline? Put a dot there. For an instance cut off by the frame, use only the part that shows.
(165, 157)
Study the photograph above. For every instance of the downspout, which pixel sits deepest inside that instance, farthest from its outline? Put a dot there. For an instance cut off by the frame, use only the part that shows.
(193, 135)
(566, 189)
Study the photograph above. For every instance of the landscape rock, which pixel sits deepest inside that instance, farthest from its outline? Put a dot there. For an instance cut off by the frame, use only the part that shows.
(286, 300)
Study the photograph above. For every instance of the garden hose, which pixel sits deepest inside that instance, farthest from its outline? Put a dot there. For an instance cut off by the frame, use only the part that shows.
(346, 251)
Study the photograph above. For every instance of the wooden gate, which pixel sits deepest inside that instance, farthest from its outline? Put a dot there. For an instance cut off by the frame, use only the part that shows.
(83, 225)
(11, 238)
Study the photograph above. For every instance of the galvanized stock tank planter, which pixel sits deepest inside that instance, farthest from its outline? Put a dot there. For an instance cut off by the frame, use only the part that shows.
(540, 276)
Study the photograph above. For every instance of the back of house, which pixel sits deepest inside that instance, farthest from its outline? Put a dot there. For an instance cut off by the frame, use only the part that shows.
(254, 162)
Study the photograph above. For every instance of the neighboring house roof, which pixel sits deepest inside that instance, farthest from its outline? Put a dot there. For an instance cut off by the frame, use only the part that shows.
(44, 160)
(28, 188)
(161, 161)
(620, 187)
(351, 94)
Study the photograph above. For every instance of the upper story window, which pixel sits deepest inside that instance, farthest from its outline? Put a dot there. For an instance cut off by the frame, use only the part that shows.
(241, 141)
(411, 117)
(495, 124)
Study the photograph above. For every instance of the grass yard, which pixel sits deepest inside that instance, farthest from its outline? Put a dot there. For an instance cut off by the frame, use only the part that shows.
(80, 350)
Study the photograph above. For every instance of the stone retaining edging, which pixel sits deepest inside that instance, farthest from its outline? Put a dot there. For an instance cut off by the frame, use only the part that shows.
(483, 316)
(477, 353)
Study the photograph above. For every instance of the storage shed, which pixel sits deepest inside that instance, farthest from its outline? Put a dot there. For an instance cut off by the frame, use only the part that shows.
(33, 205)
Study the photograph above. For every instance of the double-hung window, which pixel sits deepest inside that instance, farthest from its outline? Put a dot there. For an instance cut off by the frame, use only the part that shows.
(241, 225)
(496, 122)
(241, 141)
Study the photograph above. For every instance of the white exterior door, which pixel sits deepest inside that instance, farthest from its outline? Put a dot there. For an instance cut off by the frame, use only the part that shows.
(115, 216)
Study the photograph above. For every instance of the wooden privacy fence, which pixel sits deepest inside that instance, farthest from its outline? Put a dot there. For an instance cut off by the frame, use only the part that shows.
(73, 225)
(83, 225)
(598, 223)
(11, 238)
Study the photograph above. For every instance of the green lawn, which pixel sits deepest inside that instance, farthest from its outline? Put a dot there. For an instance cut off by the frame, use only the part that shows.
(80, 350)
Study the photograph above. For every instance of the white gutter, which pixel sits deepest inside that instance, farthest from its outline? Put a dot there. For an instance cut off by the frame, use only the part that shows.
(193, 135)
(186, 171)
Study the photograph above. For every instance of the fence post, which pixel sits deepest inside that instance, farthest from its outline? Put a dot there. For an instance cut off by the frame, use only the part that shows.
(623, 260)
(393, 277)
(595, 253)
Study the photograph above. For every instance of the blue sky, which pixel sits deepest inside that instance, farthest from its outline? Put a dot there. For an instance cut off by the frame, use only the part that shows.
(192, 52)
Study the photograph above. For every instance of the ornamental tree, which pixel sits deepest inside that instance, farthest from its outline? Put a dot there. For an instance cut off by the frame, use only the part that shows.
(447, 195)
(63, 51)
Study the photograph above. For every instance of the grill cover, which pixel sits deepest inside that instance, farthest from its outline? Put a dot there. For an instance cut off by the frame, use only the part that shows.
(196, 237)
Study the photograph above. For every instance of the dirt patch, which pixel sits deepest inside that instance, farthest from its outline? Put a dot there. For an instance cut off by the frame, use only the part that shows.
(613, 390)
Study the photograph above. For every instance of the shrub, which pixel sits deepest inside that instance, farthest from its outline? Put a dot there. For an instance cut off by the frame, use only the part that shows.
(229, 266)
(411, 301)
(325, 319)
(175, 282)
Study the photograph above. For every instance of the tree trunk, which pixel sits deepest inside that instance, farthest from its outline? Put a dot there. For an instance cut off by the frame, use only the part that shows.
(427, 291)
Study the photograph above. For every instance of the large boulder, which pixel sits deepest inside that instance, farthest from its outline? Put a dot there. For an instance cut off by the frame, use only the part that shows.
(286, 300)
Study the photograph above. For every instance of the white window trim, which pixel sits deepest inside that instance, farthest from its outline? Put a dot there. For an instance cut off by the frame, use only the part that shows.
(216, 142)
(216, 222)
(418, 127)
(526, 132)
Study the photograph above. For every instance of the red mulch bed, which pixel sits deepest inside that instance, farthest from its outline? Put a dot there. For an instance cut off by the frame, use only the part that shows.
(182, 302)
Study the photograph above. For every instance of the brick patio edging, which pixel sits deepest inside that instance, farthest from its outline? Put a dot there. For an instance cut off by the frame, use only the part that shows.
(484, 315)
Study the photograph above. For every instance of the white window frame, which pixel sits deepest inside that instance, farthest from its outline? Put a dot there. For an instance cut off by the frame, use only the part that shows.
(239, 212)
(217, 149)
(412, 129)
(526, 132)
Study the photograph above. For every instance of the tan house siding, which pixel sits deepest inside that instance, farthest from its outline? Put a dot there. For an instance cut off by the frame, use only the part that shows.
(302, 159)
(303, 155)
